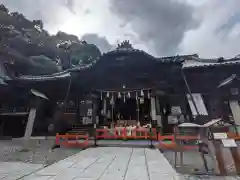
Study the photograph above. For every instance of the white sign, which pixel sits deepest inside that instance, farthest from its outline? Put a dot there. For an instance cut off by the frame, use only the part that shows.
(229, 143)
(220, 135)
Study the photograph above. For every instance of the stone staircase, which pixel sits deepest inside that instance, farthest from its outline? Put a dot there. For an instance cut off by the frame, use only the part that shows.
(81, 129)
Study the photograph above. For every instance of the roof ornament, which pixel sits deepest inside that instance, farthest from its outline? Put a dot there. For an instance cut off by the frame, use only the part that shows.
(228, 80)
(39, 94)
(237, 56)
(125, 45)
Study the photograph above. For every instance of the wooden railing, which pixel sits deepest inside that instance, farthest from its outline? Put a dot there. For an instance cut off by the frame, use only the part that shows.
(14, 110)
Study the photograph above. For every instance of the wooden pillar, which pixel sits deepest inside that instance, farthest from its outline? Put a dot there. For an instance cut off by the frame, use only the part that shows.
(77, 111)
(216, 152)
(104, 109)
(94, 119)
(235, 108)
(94, 112)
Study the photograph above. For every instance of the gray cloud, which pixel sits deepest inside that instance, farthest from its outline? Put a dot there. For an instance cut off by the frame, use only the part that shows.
(162, 27)
(70, 5)
(44, 11)
(99, 41)
(161, 23)
(50, 12)
(219, 31)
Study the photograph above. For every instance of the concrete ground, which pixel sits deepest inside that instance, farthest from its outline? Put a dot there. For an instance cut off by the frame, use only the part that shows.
(16, 170)
(94, 163)
(17, 162)
(38, 152)
(107, 163)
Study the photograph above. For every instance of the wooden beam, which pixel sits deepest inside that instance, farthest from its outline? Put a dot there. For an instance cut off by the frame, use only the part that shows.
(216, 149)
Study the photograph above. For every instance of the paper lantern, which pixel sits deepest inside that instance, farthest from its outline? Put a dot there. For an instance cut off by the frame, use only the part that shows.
(149, 96)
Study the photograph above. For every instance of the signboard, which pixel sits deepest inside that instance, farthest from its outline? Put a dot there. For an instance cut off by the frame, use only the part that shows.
(220, 135)
(229, 143)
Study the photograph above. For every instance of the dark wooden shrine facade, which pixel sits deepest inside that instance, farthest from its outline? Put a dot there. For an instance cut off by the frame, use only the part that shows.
(127, 69)
(205, 80)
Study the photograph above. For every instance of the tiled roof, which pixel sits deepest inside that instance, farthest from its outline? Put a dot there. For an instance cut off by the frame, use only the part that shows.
(60, 75)
(178, 58)
(187, 64)
(128, 50)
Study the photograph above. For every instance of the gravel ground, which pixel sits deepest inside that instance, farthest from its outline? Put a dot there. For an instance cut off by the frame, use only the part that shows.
(193, 163)
(38, 152)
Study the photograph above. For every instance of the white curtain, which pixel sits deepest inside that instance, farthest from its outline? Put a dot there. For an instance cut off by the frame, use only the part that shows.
(201, 108)
(153, 109)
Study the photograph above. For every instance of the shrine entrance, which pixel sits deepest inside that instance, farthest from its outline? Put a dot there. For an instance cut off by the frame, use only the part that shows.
(132, 111)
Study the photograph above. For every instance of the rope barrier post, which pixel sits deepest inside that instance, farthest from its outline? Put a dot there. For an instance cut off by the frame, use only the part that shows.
(151, 143)
(202, 152)
(95, 135)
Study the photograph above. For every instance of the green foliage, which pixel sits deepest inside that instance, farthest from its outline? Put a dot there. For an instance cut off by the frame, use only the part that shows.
(43, 64)
(84, 53)
(34, 50)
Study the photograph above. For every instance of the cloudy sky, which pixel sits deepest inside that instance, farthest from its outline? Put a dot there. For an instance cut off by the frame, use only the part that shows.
(210, 28)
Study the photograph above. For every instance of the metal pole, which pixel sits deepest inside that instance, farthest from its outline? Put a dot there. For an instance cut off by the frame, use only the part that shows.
(195, 106)
(189, 91)
(137, 110)
(112, 115)
(151, 143)
(95, 123)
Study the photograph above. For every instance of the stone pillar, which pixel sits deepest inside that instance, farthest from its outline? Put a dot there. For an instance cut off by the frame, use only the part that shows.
(31, 120)
(158, 113)
(235, 108)
(30, 123)
(153, 110)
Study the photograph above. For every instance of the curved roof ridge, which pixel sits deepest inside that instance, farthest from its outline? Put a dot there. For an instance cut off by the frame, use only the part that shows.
(210, 62)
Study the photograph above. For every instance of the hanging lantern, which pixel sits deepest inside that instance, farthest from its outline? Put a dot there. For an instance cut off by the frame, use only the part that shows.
(142, 93)
(119, 95)
(129, 95)
(141, 100)
(149, 96)
(112, 100)
(107, 95)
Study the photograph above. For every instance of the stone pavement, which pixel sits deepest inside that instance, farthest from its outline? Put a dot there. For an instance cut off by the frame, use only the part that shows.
(108, 163)
(16, 170)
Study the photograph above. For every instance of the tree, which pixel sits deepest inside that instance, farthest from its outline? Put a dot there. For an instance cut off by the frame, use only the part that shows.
(84, 53)
(44, 65)
(3, 8)
(38, 23)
